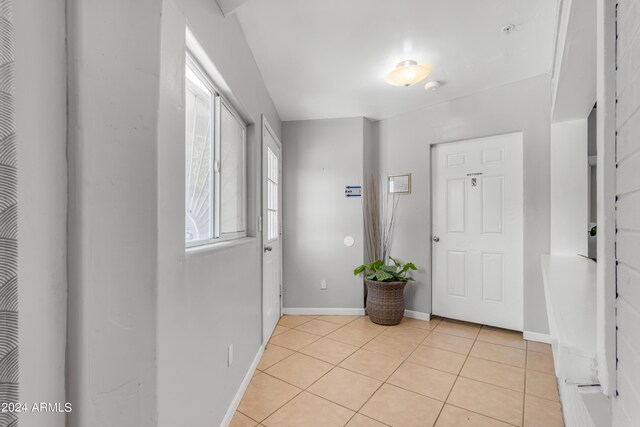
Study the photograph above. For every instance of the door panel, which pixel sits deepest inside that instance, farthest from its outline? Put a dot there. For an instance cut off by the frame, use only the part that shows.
(492, 205)
(271, 231)
(477, 228)
(456, 209)
(492, 277)
(456, 273)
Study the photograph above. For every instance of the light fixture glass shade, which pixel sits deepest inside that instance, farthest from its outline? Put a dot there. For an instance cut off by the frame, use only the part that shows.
(408, 73)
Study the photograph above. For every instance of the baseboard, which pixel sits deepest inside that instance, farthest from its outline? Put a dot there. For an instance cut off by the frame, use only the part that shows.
(346, 312)
(417, 315)
(324, 311)
(243, 387)
(537, 337)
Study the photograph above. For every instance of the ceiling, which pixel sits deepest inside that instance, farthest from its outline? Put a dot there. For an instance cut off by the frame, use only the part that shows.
(328, 58)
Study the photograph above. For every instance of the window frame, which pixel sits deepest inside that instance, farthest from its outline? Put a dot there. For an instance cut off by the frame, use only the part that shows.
(218, 102)
(224, 237)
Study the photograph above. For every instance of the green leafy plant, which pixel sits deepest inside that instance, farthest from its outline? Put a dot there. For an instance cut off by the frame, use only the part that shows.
(380, 272)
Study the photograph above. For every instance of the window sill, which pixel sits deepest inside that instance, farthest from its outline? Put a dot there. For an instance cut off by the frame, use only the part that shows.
(219, 246)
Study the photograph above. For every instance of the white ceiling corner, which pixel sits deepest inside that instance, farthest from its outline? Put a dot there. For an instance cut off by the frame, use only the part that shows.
(230, 6)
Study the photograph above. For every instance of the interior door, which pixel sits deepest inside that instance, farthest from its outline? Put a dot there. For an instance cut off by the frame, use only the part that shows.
(271, 230)
(477, 249)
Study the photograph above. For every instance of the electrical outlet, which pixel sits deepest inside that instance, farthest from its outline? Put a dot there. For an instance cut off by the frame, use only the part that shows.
(230, 358)
(323, 285)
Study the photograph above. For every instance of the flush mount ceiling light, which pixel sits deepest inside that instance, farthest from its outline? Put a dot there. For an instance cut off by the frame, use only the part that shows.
(408, 73)
(433, 85)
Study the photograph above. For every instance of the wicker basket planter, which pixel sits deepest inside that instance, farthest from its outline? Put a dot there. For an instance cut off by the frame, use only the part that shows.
(385, 302)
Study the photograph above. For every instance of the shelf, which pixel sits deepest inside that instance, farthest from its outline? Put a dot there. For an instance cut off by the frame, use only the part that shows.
(570, 291)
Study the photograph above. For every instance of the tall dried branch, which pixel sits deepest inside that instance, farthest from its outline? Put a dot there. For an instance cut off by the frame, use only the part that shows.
(379, 212)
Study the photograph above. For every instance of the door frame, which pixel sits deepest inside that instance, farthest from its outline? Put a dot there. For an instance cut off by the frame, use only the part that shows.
(266, 127)
(431, 205)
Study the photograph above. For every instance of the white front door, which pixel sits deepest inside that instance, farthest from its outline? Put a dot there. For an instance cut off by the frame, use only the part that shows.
(271, 229)
(477, 208)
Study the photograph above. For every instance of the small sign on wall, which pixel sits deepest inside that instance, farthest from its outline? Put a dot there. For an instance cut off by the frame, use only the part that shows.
(353, 191)
(400, 184)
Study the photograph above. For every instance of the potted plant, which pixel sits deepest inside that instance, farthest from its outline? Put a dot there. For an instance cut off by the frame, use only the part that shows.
(385, 290)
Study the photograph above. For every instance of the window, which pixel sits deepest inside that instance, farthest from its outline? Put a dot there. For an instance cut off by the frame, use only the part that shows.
(232, 176)
(272, 195)
(215, 181)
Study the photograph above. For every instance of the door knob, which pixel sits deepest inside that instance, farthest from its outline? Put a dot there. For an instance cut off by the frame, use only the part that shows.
(268, 248)
(436, 239)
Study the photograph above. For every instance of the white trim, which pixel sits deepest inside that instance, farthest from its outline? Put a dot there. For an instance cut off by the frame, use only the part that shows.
(215, 76)
(218, 246)
(346, 312)
(243, 387)
(266, 128)
(324, 311)
(537, 337)
(417, 315)
(431, 196)
(606, 197)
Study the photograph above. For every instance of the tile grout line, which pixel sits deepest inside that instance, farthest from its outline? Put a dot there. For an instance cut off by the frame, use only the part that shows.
(488, 383)
(484, 382)
(237, 410)
(326, 373)
(501, 363)
(316, 358)
(279, 407)
(456, 380)
(404, 360)
(317, 395)
(337, 365)
(301, 389)
(385, 381)
(482, 415)
(420, 394)
(524, 396)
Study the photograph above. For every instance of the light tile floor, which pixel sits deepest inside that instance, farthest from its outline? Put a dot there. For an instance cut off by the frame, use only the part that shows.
(345, 370)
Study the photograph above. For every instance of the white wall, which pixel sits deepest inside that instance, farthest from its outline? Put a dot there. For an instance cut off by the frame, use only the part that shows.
(371, 167)
(321, 157)
(42, 191)
(210, 299)
(574, 73)
(626, 405)
(371, 150)
(569, 188)
(114, 59)
(405, 143)
(148, 325)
